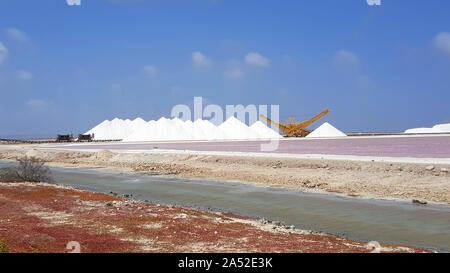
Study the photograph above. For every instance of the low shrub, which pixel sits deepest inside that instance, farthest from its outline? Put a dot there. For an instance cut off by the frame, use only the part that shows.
(3, 247)
(30, 169)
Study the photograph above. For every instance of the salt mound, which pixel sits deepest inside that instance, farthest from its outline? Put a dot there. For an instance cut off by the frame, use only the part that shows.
(115, 129)
(147, 130)
(326, 130)
(235, 129)
(137, 123)
(175, 129)
(120, 128)
(265, 132)
(444, 128)
(160, 130)
(438, 128)
(100, 130)
(206, 130)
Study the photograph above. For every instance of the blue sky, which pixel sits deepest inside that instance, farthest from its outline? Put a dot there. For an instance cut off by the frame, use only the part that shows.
(378, 68)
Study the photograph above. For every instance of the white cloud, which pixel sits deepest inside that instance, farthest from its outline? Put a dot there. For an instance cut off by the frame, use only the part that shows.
(348, 66)
(442, 42)
(234, 73)
(256, 59)
(73, 2)
(3, 53)
(149, 70)
(34, 103)
(346, 59)
(16, 34)
(199, 60)
(24, 75)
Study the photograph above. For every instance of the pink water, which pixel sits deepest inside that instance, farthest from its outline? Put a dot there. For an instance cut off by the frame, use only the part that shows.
(419, 147)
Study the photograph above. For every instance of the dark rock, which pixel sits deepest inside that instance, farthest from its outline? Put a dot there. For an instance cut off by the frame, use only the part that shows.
(420, 202)
(277, 223)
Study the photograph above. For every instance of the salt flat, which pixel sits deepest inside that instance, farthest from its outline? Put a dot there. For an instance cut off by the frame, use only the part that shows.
(412, 149)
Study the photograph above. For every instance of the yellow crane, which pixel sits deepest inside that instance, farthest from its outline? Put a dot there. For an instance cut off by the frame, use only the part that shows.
(295, 129)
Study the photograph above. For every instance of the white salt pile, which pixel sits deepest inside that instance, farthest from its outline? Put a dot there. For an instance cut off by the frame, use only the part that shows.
(116, 128)
(235, 129)
(137, 123)
(438, 128)
(175, 129)
(260, 128)
(326, 130)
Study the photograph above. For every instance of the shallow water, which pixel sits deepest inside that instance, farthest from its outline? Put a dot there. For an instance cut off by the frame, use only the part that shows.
(367, 220)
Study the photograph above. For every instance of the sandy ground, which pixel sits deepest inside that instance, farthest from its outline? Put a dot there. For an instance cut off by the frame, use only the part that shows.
(37, 217)
(397, 181)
